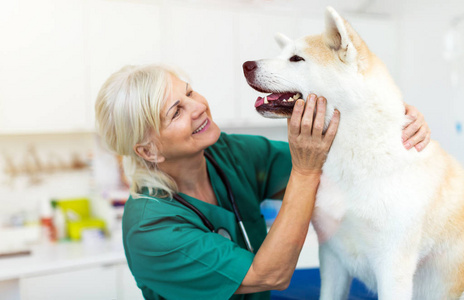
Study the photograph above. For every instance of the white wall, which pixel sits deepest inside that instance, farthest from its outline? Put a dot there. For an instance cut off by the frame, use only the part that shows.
(56, 54)
(425, 74)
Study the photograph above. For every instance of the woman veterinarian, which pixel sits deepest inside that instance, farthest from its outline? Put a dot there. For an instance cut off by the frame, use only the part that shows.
(191, 183)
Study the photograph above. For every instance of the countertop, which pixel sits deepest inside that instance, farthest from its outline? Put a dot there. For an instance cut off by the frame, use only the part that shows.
(68, 256)
(60, 257)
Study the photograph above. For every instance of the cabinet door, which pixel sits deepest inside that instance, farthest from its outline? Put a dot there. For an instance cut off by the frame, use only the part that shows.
(201, 42)
(119, 33)
(9, 289)
(42, 73)
(127, 288)
(90, 284)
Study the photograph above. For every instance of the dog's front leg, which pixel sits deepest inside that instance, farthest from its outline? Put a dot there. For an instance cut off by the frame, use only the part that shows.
(335, 280)
(395, 276)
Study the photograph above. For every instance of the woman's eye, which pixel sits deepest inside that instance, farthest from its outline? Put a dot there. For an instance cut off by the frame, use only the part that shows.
(295, 58)
(176, 113)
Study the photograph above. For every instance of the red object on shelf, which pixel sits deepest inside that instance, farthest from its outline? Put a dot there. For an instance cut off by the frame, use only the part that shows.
(49, 228)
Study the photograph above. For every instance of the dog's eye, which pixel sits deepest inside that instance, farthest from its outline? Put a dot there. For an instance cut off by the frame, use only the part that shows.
(296, 58)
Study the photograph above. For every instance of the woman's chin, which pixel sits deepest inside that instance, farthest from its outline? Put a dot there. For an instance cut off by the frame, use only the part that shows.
(215, 132)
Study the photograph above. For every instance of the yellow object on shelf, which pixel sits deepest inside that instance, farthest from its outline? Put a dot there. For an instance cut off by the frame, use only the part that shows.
(75, 228)
(74, 209)
(78, 216)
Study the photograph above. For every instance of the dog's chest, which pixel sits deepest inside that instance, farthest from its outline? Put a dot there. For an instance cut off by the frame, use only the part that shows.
(349, 228)
(344, 226)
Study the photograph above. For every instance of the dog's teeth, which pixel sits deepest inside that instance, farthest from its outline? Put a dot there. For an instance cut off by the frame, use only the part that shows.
(297, 96)
(291, 100)
(265, 100)
(284, 100)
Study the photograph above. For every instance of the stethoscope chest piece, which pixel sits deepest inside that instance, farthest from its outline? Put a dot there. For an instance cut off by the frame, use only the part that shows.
(223, 232)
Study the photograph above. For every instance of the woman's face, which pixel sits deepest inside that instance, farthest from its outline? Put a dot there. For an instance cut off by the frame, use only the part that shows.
(187, 127)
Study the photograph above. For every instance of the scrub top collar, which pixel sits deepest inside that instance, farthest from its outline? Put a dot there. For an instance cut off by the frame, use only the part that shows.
(221, 215)
(219, 189)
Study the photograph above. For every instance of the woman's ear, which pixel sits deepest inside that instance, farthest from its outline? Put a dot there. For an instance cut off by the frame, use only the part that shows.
(149, 153)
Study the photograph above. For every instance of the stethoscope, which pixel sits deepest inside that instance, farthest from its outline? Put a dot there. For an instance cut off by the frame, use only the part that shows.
(230, 195)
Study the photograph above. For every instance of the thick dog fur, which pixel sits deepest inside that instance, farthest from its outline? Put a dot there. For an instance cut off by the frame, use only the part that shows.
(391, 217)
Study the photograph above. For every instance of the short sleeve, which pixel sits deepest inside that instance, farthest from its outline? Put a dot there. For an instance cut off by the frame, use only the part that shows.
(178, 260)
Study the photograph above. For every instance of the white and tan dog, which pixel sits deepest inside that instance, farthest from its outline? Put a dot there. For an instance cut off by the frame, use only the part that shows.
(393, 218)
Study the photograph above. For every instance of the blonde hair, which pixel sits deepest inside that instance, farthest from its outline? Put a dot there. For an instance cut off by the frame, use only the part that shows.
(127, 110)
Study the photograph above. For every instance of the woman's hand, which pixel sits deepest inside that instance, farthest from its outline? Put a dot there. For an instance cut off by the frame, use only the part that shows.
(276, 259)
(417, 132)
(308, 145)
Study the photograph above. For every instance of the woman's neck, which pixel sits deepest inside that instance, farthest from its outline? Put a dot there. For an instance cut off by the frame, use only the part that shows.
(191, 177)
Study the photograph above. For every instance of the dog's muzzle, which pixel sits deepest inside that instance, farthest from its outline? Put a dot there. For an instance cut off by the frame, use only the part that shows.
(276, 105)
(249, 68)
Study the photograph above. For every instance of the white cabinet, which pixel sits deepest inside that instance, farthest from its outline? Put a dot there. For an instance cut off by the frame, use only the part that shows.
(43, 70)
(126, 287)
(119, 33)
(201, 42)
(103, 282)
(56, 54)
(92, 283)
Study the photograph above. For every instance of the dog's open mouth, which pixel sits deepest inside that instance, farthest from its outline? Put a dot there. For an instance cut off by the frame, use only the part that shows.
(277, 105)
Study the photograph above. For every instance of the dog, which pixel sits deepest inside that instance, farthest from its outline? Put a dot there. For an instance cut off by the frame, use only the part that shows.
(391, 217)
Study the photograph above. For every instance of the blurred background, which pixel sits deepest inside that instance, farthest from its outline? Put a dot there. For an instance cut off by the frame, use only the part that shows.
(62, 194)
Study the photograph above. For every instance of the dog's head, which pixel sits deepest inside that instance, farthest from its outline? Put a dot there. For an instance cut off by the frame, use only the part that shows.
(330, 64)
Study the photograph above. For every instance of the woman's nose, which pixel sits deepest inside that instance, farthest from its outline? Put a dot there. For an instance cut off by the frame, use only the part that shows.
(198, 108)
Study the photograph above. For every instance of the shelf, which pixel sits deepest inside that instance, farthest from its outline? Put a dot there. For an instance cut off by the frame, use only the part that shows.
(41, 132)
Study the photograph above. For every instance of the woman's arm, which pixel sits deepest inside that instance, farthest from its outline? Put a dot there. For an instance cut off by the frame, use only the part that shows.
(417, 132)
(275, 261)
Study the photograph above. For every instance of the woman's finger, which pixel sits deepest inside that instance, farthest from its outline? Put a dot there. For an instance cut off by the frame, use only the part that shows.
(294, 122)
(332, 129)
(412, 112)
(318, 125)
(423, 144)
(411, 130)
(308, 115)
(420, 136)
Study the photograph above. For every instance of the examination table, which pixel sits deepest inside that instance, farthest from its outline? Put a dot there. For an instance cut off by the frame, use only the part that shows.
(306, 285)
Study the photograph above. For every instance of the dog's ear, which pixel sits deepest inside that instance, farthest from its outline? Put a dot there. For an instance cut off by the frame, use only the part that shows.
(282, 39)
(340, 36)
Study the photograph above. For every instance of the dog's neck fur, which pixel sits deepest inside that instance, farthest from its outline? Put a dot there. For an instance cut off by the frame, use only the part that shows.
(365, 145)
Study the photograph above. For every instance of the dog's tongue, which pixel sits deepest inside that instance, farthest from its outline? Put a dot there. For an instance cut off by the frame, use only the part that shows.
(276, 96)
(273, 97)
(259, 101)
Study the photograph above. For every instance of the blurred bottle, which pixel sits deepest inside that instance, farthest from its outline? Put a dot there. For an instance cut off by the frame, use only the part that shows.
(46, 221)
(59, 222)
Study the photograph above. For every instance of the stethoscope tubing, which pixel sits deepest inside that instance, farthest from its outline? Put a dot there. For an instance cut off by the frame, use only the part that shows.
(231, 197)
(195, 210)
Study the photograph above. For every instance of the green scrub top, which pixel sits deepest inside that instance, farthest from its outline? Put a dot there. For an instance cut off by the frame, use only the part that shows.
(173, 255)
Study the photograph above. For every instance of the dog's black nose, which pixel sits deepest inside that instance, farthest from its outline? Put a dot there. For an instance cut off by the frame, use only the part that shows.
(249, 66)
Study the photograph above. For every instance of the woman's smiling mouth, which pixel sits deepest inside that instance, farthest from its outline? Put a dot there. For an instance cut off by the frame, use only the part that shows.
(202, 127)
